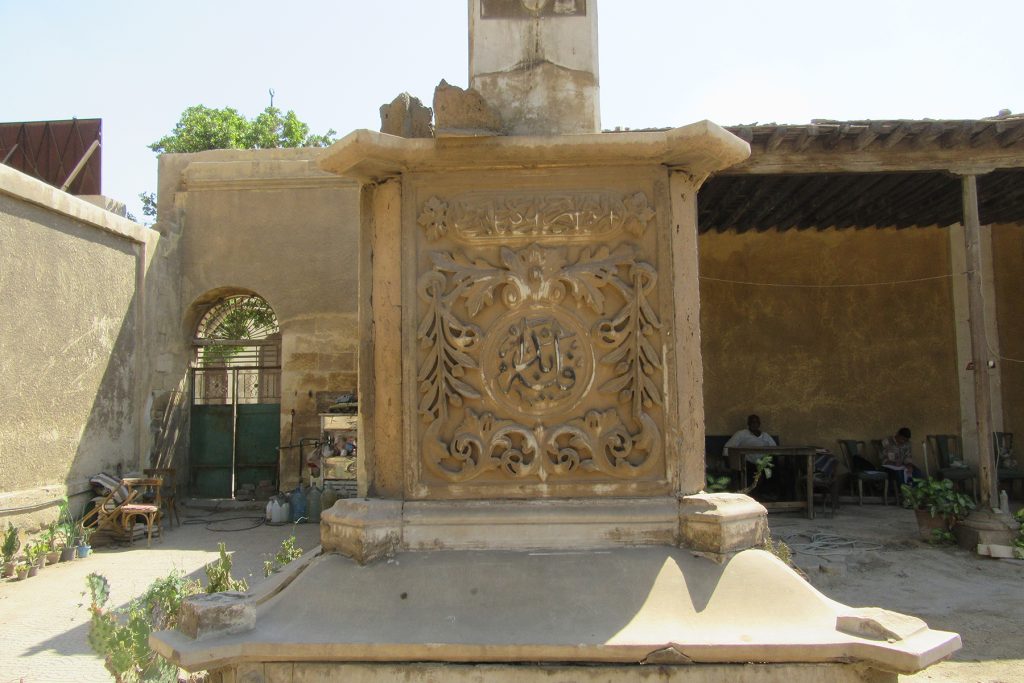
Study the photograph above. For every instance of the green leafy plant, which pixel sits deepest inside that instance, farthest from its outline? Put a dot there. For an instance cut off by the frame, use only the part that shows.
(218, 573)
(938, 497)
(11, 543)
(84, 533)
(64, 527)
(35, 551)
(942, 537)
(289, 552)
(764, 468)
(121, 635)
(1018, 542)
(716, 484)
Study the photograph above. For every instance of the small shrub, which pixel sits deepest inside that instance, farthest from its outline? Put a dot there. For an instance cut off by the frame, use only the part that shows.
(121, 636)
(11, 543)
(288, 553)
(218, 574)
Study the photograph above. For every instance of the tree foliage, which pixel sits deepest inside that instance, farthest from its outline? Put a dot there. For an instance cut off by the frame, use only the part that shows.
(202, 128)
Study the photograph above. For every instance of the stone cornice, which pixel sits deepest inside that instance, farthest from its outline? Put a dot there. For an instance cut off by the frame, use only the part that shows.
(699, 149)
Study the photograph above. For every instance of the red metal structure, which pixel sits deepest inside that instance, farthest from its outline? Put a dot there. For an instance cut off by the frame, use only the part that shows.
(65, 154)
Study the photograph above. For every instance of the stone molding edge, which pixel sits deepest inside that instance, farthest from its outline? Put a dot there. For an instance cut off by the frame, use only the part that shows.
(259, 174)
(716, 526)
(702, 147)
(25, 188)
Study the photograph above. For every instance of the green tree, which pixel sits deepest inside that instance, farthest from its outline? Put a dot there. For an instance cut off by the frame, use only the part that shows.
(202, 128)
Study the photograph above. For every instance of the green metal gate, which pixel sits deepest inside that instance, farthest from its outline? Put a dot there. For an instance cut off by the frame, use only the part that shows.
(236, 401)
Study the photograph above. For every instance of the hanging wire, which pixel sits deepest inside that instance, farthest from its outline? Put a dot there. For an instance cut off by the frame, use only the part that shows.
(837, 286)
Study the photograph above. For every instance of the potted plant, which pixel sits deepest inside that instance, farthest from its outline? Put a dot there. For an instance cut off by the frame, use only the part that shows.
(21, 570)
(49, 540)
(66, 532)
(937, 505)
(35, 553)
(9, 548)
(83, 534)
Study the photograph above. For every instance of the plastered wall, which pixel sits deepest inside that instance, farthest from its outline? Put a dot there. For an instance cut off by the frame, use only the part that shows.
(69, 346)
(1007, 261)
(271, 223)
(820, 361)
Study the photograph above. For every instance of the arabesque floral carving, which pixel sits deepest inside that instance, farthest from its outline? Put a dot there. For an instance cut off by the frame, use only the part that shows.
(541, 356)
(489, 215)
(597, 442)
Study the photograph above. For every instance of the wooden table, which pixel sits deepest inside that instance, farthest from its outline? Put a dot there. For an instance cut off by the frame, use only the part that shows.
(738, 460)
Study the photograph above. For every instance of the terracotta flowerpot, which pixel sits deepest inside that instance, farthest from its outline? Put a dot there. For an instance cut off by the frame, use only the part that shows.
(33, 569)
(22, 572)
(926, 523)
(53, 557)
(67, 553)
(9, 568)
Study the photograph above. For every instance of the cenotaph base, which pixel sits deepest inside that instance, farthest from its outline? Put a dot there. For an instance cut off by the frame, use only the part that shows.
(531, 418)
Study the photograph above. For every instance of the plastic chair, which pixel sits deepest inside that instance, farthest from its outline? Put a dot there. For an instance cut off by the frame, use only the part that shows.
(168, 492)
(951, 461)
(853, 454)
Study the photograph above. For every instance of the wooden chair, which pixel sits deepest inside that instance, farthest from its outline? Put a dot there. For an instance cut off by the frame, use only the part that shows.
(951, 460)
(854, 455)
(143, 501)
(169, 491)
(105, 515)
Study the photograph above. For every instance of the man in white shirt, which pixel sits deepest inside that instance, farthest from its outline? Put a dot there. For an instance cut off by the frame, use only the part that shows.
(750, 437)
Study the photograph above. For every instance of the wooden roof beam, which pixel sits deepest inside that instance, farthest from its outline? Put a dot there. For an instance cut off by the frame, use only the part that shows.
(806, 137)
(775, 139)
(1012, 135)
(867, 136)
(897, 134)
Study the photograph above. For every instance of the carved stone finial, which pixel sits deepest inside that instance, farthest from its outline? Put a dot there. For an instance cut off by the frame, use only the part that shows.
(407, 117)
(463, 113)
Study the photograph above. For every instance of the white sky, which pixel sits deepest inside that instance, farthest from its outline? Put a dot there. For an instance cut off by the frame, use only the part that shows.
(138, 65)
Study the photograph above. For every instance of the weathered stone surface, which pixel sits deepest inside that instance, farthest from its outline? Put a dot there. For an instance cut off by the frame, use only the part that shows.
(364, 529)
(461, 112)
(539, 673)
(537, 63)
(985, 528)
(721, 524)
(217, 614)
(879, 624)
(407, 117)
(639, 603)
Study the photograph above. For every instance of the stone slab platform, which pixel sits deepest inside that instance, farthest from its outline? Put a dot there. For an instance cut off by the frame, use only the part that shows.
(655, 605)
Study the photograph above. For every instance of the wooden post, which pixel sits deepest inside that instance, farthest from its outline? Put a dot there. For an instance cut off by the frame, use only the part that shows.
(980, 355)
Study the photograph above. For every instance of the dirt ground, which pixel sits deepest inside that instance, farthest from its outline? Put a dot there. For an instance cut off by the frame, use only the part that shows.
(864, 556)
(869, 556)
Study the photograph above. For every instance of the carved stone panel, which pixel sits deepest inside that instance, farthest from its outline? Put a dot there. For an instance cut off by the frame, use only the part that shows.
(539, 340)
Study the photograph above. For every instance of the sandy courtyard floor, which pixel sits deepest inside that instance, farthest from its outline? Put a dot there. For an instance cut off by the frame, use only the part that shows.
(864, 556)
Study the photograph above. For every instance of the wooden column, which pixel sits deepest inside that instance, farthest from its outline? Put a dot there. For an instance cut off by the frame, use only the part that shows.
(980, 355)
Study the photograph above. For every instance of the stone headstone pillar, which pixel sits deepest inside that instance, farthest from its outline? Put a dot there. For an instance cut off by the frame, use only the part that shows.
(535, 61)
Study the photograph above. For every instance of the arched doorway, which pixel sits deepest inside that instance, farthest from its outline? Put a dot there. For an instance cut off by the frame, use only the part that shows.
(236, 400)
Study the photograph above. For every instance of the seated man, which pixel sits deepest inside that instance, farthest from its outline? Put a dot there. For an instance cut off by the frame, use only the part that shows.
(896, 457)
(750, 437)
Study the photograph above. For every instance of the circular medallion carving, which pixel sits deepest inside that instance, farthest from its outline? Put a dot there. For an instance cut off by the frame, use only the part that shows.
(537, 361)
